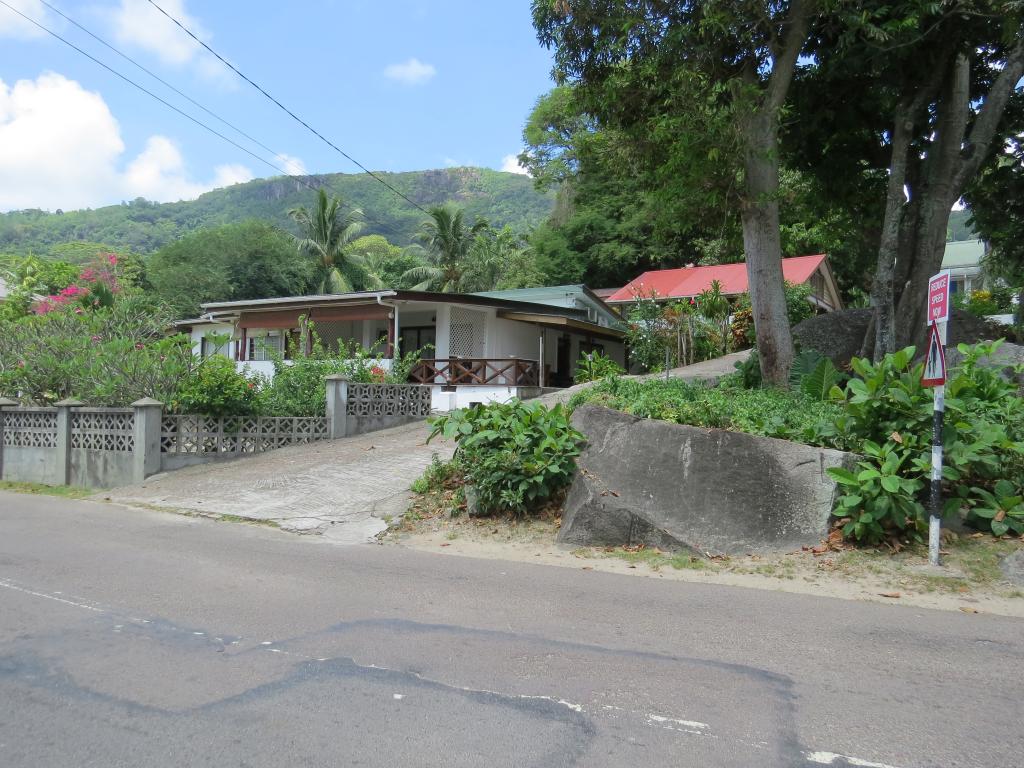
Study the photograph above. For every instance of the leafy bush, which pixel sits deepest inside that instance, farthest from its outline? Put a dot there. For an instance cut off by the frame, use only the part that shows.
(595, 366)
(797, 308)
(516, 456)
(110, 356)
(216, 388)
(814, 374)
(886, 405)
(767, 412)
(997, 301)
(299, 385)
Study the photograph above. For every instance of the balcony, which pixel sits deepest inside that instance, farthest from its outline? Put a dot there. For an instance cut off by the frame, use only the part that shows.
(456, 371)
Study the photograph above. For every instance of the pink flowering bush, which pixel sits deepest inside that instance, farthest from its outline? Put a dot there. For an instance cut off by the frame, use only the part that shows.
(96, 287)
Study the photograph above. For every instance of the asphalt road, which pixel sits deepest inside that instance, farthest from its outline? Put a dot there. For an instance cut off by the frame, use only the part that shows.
(133, 638)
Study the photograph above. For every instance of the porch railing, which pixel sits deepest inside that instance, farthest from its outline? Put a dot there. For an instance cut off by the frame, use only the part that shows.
(511, 372)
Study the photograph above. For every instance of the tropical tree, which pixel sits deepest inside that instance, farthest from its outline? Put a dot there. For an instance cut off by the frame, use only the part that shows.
(385, 264)
(447, 241)
(325, 237)
(726, 67)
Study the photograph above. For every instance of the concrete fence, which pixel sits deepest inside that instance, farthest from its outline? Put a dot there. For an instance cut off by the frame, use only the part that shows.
(70, 444)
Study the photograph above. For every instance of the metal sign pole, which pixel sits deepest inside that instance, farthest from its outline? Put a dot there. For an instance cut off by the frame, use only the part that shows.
(935, 520)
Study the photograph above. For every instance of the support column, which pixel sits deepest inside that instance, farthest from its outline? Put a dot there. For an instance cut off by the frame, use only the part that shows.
(146, 450)
(337, 405)
(63, 451)
(540, 370)
(4, 403)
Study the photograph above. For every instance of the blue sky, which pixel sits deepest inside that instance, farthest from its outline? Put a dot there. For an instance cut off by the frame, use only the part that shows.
(398, 84)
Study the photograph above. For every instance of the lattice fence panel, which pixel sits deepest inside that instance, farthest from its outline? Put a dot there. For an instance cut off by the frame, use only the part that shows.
(467, 333)
(200, 435)
(30, 428)
(103, 430)
(388, 400)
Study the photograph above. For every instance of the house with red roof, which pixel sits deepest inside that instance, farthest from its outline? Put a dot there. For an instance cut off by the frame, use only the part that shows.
(689, 282)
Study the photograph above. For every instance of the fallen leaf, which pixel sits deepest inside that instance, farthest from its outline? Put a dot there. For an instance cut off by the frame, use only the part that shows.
(889, 594)
(896, 437)
(1000, 515)
(446, 544)
(968, 609)
(588, 568)
(613, 493)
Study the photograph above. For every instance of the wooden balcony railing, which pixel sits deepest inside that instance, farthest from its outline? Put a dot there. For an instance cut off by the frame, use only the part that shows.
(511, 372)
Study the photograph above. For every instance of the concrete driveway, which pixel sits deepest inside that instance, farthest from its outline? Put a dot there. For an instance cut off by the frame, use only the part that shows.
(341, 489)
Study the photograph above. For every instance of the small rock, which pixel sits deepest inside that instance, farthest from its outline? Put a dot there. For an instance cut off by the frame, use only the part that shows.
(1012, 567)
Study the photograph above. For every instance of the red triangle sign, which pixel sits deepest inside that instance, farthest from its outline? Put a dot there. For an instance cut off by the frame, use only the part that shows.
(935, 360)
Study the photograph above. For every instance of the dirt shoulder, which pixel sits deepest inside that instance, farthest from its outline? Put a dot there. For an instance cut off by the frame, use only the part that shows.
(970, 580)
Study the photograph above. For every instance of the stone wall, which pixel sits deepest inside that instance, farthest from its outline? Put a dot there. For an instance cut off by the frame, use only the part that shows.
(677, 487)
(353, 409)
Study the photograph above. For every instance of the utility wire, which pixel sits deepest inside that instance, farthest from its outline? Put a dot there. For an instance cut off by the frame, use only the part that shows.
(295, 117)
(298, 177)
(156, 77)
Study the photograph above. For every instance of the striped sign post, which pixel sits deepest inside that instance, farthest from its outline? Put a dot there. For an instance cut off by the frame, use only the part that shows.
(935, 376)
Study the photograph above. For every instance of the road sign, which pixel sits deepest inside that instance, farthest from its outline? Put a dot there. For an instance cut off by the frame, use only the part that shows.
(938, 298)
(935, 360)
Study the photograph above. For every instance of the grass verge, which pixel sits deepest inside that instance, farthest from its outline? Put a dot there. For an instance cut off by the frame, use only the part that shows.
(38, 489)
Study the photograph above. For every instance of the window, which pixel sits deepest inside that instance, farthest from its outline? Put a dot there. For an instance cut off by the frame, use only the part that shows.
(261, 348)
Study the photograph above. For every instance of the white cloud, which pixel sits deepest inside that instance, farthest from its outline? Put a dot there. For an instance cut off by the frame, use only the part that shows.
(13, 25)
(138, 24)
(291, 165)
(411, 72)
(510, 164)
(60, 147)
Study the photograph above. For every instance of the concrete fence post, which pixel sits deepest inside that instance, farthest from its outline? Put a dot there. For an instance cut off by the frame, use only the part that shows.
(146, 449)
(4, 403)
(63, 475)
(337, 405)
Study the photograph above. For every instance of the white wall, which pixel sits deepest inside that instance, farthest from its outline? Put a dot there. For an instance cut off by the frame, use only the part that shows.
(200, 331)
(465, 396)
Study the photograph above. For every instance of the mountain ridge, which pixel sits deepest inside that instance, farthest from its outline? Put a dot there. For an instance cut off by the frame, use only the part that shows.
(143, 226)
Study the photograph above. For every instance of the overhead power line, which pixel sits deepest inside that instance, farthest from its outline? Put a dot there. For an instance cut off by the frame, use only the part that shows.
(298, 177)
(156, 77)
(295, 117)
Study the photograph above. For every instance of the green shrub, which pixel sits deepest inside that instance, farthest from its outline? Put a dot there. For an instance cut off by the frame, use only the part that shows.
(768, 412)
(886, 405)
(437, 476)
(110, 356)
(217, 389)
(516, 456)
(594, 367)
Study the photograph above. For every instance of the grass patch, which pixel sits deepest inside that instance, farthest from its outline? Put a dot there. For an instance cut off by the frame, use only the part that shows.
(655, 558)
(38, 489)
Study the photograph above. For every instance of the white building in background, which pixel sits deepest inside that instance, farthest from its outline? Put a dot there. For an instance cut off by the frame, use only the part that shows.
(481, 347)
(963, 260)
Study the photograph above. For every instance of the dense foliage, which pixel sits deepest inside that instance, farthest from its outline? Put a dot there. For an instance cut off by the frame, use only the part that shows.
(768, 412)
(888, 416)
(107, 356)
(515, 456)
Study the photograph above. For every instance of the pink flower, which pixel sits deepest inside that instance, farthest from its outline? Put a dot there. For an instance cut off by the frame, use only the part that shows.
(79, 311)
(21, 363)
(112, 259)
(139, 346)
(97, 338)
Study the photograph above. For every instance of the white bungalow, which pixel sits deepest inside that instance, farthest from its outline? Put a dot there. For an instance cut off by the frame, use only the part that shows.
(485, 347)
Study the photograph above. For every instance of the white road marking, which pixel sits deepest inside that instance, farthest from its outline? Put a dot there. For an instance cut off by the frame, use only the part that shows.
(828, 758)
(397, 696)
(687, 723)
(8, 585)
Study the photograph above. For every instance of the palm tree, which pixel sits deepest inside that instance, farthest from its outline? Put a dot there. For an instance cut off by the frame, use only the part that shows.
(447, 241)
(326, 232)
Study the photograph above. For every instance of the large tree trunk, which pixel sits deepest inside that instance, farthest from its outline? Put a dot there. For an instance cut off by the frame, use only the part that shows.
(882, 291)
(762, 245)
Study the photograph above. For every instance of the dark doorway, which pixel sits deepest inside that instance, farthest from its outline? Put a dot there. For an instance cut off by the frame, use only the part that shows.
(563, 361)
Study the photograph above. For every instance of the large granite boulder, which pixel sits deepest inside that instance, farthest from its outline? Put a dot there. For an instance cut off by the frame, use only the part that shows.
(676, 487)
(1007, 357)
(840, 335)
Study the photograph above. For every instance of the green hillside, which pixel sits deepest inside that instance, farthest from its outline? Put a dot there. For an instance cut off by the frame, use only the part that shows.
(142, 226)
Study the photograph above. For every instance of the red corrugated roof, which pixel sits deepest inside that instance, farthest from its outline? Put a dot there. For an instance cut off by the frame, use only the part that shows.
(691, 281)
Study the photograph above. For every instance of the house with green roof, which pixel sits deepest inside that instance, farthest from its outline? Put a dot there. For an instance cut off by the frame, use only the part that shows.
(963, 260)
